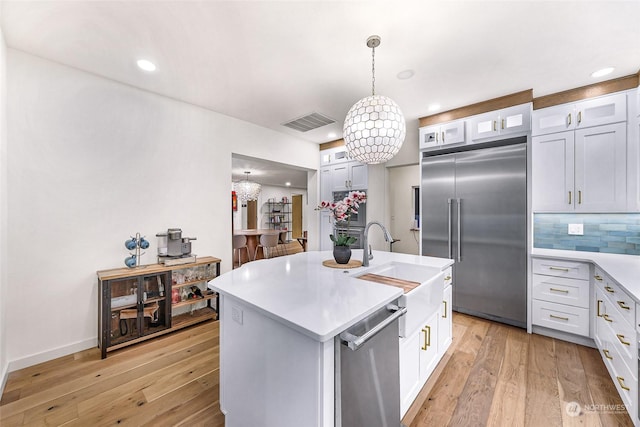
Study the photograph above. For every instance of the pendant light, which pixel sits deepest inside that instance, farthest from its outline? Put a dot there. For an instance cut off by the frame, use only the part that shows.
(374, 128)
(247, 190)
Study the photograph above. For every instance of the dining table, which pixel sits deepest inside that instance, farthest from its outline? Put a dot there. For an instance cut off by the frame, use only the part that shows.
(253, 240)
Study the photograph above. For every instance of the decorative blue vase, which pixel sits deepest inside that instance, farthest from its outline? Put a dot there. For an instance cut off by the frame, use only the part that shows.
(342, 254)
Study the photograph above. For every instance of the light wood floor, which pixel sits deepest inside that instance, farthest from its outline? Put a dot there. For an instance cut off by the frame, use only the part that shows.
(492, 375)
(498, 375)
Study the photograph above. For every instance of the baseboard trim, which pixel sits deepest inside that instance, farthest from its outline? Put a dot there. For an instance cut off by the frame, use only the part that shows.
(4, 374)
(564, 336)
(45, 356)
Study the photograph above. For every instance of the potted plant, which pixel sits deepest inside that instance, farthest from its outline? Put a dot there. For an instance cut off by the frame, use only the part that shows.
(341, 211)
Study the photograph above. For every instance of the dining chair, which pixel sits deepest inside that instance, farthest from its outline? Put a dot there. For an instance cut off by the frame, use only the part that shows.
(268, 242)
(240, 242)
(283, 242)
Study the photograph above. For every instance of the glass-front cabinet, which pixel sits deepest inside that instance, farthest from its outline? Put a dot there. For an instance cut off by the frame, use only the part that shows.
(134, 307)
(139, 303)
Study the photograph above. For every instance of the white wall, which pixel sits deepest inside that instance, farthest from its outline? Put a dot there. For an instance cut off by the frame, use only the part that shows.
(409, 154)
(401, 183)
(4, 362)
(91, 162)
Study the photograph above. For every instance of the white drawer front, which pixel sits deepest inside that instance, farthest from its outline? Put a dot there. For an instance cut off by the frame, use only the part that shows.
(623, 378)
(561, 268)
(562, 290)
(561, 317)
(622, 335)
(617, 296)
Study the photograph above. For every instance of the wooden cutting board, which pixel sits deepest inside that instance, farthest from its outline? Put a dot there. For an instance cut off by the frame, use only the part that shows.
(406, 285)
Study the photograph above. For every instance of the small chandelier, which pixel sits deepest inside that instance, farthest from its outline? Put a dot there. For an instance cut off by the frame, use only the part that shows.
(247, 190)
(374, 128)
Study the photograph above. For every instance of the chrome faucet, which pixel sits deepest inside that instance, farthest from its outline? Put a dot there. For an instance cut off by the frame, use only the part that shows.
(366, 255)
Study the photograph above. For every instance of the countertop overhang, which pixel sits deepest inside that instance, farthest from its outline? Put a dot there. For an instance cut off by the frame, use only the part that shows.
(315, 300)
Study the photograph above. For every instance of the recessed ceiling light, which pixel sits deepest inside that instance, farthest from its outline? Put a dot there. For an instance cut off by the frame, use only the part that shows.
(434, 107)
(331, 135)
(146, 65)
(406, 74)
(602, 72)
(288, 184)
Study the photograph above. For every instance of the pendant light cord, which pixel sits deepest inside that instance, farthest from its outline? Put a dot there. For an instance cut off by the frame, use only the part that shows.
(373, 71)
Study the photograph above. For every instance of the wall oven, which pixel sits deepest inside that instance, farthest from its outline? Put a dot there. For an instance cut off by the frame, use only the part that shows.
(357, 232)
(356, 220)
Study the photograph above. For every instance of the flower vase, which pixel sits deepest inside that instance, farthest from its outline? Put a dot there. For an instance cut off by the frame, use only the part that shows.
(342, 254)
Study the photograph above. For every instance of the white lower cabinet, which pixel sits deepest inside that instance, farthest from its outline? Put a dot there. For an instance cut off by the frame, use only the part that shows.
(422, 349)
(561, 296)
(445, 324)
(418, 357)
(616, 340)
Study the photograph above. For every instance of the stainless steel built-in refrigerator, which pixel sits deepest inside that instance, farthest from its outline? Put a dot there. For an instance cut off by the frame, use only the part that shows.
(474, 210)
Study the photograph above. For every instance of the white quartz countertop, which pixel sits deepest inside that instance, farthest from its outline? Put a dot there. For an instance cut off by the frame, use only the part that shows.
(318, 301)
(624, 269)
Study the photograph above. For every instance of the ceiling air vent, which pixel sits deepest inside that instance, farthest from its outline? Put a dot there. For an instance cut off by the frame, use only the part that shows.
(309, 122)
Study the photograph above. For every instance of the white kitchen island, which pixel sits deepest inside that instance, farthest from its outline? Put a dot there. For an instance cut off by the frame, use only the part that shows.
(278, 319)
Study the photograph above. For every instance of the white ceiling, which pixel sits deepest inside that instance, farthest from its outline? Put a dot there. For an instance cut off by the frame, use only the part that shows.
(268, 62)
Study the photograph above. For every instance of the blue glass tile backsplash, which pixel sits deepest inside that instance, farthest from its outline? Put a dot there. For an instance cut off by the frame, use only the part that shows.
(611, 233)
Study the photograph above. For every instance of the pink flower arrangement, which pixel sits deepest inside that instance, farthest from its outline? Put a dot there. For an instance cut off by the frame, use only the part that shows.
(342, 210)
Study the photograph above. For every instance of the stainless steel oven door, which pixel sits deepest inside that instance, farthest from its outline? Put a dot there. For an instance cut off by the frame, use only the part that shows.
(357, 232)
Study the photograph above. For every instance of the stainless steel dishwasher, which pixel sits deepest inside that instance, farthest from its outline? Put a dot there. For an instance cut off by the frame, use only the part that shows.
(367, 373)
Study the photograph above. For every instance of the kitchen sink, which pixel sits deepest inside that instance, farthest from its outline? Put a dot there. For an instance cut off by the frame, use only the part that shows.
(423, 289)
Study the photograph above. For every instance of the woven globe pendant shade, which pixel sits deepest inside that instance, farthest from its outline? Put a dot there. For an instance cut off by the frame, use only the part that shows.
(374, 130)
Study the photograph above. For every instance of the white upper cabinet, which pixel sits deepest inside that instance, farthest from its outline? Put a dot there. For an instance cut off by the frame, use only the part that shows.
(601, 168)
(552, 171)
(503, 122)
(593, 112)
(583, 170)
(439, 135)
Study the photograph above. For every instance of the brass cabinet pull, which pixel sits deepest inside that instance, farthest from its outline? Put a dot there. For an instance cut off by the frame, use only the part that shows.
(598, 278)
(427, 337)
(569, 197)
(495, 123)
(579, 197)
(609, 289)
(502, 123)
(437, 136)
(444, 316)
(443, 137)
(564, 291)
(598, 307)
(621, 339)
(558, 317)
(621, 382)
(606, 317)
(569, 119)
(623, 305)
(447, 278)
(559, 269)
(606, 354)
(579, 117)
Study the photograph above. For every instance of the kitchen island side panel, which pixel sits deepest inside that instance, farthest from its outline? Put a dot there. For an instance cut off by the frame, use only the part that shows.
(272, 375)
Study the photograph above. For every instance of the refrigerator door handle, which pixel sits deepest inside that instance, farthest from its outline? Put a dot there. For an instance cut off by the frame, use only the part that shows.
(459, 201)
(449, 232)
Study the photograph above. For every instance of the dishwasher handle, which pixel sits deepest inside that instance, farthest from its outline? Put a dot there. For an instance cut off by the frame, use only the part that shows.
(354, 342)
